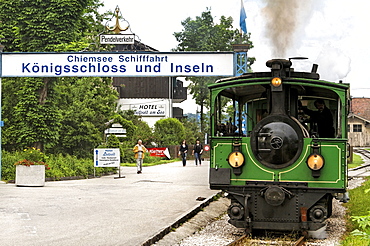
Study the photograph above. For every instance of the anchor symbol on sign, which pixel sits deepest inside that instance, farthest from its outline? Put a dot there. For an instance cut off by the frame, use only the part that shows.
(117, 28)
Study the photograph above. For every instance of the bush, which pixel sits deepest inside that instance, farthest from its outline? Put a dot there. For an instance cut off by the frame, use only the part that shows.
(60, 166)
(8, 167)
(151, 159)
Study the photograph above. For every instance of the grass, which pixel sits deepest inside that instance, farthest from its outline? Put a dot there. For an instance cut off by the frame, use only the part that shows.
(357, 161)
(357, 206)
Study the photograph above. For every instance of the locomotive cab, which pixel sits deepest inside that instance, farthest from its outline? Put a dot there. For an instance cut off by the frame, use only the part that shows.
(269, 150)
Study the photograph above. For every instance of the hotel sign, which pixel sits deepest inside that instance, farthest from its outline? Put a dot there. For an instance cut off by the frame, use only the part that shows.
(117, 38)
(149, 109)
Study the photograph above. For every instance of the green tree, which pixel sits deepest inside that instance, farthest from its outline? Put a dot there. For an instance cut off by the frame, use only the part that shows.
(85, 105)
(169, 131)
(142, 130)
(33, 114)
(192, 130)
(202, 34)
(31, 120)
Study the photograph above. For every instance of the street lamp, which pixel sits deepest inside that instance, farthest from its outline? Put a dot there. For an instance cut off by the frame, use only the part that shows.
(1, 122)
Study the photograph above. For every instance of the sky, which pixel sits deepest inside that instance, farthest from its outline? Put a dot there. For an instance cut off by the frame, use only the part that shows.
(330, 33)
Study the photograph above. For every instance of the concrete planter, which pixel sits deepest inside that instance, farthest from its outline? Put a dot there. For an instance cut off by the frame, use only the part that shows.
(33, 175)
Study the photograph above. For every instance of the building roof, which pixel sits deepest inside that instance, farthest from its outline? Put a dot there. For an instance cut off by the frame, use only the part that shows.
(351, 115)
(361, 107)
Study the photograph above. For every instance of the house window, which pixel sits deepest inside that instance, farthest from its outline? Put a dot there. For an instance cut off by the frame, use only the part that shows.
(357, 128)
(348, 128)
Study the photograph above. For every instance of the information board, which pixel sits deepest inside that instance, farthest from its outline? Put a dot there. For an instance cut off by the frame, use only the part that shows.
(107, 157)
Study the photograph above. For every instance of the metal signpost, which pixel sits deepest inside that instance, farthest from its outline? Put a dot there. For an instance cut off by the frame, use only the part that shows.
(1, 121)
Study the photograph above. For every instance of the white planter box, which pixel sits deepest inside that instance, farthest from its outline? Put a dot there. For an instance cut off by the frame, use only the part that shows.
(33, 175)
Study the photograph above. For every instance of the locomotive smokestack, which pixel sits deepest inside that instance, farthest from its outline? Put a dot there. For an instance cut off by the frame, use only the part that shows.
(279, 67)
(314, 68)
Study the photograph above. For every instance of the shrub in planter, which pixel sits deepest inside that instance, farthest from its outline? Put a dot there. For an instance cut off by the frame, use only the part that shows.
(30, 171)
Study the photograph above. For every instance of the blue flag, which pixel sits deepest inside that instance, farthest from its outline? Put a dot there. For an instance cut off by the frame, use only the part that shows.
(243, 16)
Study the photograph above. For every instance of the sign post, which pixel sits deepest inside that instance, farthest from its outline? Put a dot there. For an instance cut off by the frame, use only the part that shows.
(108, 158)
(1, 122)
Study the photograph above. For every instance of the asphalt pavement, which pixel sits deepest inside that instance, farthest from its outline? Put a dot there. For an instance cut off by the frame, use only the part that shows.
(103, 211)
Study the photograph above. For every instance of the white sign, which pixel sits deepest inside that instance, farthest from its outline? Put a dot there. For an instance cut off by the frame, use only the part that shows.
(117, 38)
(115, 130)
(107, 158)
(149, 109)
(118, 135)
(116, 64)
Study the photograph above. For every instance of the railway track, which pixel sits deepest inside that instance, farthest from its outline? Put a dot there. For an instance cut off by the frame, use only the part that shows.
(358, 171)
(246, 241)
(363, 152)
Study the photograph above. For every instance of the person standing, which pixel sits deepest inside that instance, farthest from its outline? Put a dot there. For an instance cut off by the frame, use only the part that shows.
(183, 152)
(139, 151)
(197, 152)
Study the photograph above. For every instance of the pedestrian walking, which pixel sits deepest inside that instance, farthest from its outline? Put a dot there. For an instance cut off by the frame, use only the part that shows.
(197, 152)
(183, 152)
(139, 151)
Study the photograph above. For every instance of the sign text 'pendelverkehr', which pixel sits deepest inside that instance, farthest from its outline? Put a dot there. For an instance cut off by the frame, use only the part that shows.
(116, 64)
(117, 38)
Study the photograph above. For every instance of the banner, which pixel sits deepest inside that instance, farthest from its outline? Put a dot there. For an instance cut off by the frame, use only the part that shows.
(99, 64)
(159, 152)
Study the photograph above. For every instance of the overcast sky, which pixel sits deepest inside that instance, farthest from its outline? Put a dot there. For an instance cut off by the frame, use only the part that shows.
(331, 33)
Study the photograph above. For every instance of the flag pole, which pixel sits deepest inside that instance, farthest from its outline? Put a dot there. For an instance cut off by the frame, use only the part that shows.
(242, 23)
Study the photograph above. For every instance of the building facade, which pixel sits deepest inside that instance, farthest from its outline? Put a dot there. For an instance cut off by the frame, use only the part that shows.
(151, 98)
(359, 122)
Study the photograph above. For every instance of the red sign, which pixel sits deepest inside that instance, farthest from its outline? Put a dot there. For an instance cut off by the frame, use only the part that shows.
(160, 152)
(206, 148)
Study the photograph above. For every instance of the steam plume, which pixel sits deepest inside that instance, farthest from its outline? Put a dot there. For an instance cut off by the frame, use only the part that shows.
(285, 20)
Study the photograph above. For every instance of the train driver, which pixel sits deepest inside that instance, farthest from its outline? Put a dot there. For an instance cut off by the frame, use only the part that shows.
(322, 117)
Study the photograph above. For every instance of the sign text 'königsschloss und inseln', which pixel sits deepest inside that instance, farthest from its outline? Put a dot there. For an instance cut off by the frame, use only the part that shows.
(116, 64)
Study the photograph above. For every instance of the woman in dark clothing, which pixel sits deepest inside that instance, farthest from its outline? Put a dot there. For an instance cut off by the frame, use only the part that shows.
(197, 152)
(183, 152)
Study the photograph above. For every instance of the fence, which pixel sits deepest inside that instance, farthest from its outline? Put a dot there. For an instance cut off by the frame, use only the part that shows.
(174, 151)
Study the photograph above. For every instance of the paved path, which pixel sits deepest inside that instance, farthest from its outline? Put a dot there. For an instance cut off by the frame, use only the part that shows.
(103, 211)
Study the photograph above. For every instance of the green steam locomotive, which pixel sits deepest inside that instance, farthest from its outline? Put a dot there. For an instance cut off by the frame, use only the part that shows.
(279, 147)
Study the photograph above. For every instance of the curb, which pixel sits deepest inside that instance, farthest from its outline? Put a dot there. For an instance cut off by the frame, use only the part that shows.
(180, 221)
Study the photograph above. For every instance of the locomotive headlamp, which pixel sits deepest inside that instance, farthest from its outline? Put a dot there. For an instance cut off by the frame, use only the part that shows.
(236, 159)
(276, 82)
(315, 162)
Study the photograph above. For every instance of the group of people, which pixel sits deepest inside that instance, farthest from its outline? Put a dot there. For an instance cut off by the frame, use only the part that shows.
(197, 152)
(140, 150)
